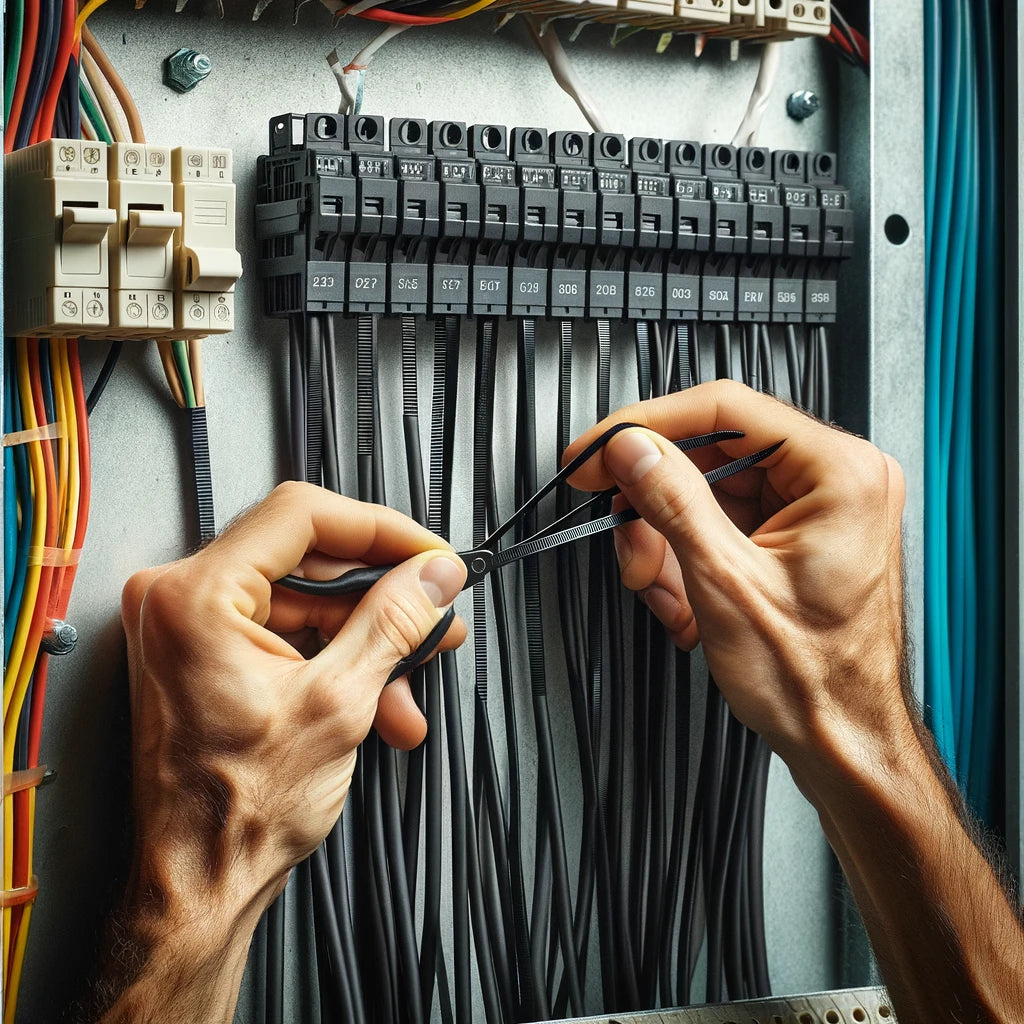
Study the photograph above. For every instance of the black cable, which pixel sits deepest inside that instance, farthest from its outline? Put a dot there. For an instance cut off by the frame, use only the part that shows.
(643, 358)
(796, 389)
(331, 454)
(106, 370)
(275, 962)
(335, 990)
(297, 397)
(824, 376)
(202, 473)
(550, 812)
(338, 868)
(42, 64)
(767, 360)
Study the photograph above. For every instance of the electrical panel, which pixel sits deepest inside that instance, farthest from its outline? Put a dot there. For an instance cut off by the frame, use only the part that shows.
(129, 241)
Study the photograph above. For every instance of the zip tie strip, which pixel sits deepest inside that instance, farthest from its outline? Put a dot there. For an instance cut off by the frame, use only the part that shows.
(46, 432)
(29, 778)
(20, 896)
(57, 557)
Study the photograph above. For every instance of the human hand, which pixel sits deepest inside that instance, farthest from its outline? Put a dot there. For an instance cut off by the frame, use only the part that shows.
(789, 574)
(243, 750)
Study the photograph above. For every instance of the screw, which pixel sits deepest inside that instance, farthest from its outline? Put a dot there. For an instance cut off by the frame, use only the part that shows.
(802, 104)
(60, 639)
(185, 69)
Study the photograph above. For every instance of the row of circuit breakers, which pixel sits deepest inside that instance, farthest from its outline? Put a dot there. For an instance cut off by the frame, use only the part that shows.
(130, 240)
(447, 219)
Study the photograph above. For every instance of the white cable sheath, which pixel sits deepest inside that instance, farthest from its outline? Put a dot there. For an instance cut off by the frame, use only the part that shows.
(350, 76)
(767, 72)
(565, 74)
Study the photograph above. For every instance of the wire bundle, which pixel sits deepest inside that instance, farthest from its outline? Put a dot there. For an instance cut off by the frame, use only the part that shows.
(645, 848)
(964, 403)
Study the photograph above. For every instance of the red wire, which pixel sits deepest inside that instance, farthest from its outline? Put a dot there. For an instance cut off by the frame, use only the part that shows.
(84, 457)
(43, 128)
(862, 41)
(393, 18)
(29, 38)
(837, 37)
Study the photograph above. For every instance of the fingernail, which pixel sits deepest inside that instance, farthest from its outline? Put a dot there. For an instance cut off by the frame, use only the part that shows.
(623, 548)
(630, 455)
(662, 605)
(441, 579)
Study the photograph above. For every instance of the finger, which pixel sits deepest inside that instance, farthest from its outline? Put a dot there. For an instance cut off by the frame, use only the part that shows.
(399, 721)
(271, 539)
(393, 619)
(665, 487)
(720, 405)
(641, 553)
(298, 518)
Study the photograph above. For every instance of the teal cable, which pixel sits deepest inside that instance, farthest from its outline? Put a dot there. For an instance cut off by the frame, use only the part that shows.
(964, 584)
(933, 89)
(990, 443)
(952, 343)
(15, 32)
(93, 114)
(937, 668)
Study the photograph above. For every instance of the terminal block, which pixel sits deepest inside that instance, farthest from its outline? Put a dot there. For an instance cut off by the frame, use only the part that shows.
(57, 218)
(486, 220)
(734, 19)
(127, 241)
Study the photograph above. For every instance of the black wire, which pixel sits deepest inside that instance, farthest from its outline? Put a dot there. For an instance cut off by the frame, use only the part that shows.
(297, 392)
(275, 962)
(335, 989)
(796, 389)
(824, 376)
(69, 95)
(331, 455)
(550, 811)
(106, 370)
(42, 65)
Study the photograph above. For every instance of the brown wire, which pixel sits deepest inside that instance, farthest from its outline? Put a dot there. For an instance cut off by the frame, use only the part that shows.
(195, 362)
(124, 96)
(171, 371)
(107, 99)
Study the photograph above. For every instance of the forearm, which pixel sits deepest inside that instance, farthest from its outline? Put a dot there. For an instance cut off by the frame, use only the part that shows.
(176, 956)
(948, 941)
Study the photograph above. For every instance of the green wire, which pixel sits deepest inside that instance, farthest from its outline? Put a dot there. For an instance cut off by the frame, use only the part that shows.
(16, 28)
(180, 352)
(93, 114)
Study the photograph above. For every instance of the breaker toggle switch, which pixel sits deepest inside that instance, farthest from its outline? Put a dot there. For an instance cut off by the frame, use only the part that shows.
(85, 226)
(152, 227)
(211, 270)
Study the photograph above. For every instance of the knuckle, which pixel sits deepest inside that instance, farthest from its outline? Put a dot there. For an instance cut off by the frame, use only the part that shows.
(401, 622)
(292, 492)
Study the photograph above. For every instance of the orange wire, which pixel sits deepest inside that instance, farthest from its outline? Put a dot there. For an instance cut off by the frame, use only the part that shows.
(43, 128)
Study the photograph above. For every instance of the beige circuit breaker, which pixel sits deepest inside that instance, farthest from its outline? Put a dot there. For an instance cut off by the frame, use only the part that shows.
(142, 240)
(207, 263)
(56, 223)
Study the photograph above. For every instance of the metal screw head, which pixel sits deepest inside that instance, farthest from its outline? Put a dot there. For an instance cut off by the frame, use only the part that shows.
(802, 104)
(185, 68)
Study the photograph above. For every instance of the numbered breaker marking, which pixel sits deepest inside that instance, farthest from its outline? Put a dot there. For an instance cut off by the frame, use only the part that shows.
(355, 216)
(128, 241)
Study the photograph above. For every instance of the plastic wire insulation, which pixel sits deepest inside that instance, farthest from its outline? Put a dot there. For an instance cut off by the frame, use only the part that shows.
(110, 75)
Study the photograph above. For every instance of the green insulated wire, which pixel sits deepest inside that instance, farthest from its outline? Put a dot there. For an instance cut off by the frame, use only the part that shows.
(180, 352)
(93, 114)
(16, 24)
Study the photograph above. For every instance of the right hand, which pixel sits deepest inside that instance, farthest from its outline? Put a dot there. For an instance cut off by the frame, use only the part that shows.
(790, 574)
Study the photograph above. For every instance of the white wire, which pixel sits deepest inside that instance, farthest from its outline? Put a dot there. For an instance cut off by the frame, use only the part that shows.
(351, 76)
(565, 74)
(767, 72)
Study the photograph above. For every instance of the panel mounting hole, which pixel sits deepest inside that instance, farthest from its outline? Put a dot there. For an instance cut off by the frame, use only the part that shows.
(650, 151)
(452, 135)
(611, 147)
(573, 144)
(533, 140)
(410, 133)
(491, 137)
(897, 230)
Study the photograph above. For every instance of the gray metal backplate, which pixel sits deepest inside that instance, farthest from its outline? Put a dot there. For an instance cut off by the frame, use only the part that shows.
(140, 515)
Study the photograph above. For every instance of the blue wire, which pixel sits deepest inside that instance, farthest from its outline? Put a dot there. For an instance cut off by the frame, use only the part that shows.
(989, 377)
(964, 582)
(938, 707)
(46, 381)
(950, 423)
(10, 498)
(24, 492)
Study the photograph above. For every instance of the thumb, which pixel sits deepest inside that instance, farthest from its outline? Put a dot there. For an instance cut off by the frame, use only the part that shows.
(397, 614)
(671, 494)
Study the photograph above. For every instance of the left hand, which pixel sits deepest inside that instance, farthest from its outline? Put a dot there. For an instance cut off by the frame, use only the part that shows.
(243, 749)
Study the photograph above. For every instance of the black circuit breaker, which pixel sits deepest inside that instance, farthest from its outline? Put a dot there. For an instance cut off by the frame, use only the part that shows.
(355, 216)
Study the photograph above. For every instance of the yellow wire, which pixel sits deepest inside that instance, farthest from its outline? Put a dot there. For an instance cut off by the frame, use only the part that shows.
(21, 662)
(17, 661)
(83, 15)
(73, 469)
(60, 411)
(14, 983)
(471, 9)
